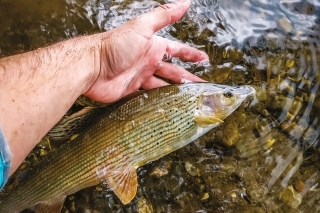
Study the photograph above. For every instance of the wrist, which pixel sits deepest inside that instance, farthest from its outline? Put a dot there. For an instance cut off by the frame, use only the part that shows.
(92, 60)
(88, 66)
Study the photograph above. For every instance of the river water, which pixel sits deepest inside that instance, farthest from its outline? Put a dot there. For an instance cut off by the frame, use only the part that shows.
(264, 158)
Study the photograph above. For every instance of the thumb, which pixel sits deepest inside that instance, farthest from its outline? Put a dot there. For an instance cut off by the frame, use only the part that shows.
(148, 23)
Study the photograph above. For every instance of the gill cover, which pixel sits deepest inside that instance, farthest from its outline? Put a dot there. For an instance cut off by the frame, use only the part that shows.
(216, 104)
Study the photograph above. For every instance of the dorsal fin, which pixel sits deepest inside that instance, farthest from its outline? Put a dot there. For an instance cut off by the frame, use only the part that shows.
(124, 183)
(75, 123)
(52, 206)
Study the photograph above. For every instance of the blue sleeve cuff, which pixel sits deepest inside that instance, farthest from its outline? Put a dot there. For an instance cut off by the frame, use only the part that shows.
(5, 160)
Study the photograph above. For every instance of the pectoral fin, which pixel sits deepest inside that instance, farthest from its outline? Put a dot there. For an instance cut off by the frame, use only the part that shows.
(207, 120)
(52, 206)
(124, 184)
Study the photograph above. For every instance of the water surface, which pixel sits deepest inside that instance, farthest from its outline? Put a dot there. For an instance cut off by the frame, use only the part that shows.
(273, 45)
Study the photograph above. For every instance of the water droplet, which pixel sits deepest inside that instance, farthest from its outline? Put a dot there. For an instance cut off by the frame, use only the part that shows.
(160, 64)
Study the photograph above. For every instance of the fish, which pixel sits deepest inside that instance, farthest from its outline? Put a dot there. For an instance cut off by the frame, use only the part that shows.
(141, 128)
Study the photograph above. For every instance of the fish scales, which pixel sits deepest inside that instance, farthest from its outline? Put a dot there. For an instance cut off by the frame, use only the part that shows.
(74, 151)
(162, 127)
(143, 129)
(149, 128)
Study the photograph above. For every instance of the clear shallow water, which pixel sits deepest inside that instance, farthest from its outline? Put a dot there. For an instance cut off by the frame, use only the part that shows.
(273, 45)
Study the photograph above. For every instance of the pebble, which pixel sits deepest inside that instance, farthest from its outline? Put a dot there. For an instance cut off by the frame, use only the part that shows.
(191, 169)
(205, 196)
(163, 168)
(144, 206)
(290, 197)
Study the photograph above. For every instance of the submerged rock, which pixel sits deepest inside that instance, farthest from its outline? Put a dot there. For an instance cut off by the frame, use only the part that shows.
(191, 169)
(291, 197)
(144, 206)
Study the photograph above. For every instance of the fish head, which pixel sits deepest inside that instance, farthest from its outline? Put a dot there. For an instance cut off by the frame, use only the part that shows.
(217, 102)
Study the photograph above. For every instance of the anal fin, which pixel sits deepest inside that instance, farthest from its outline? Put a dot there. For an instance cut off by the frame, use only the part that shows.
(124, 183)
(52, 206)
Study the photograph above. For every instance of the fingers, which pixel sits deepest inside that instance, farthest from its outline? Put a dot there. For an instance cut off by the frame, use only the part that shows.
(153, 82)
(176, 73)
(148, 23)
(184, 52)
(179, 50)
(170, 72)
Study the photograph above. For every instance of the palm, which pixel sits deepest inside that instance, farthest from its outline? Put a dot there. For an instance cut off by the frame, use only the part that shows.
(130, 55)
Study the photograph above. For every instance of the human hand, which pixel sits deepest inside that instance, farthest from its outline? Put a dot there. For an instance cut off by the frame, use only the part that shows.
(131, 55)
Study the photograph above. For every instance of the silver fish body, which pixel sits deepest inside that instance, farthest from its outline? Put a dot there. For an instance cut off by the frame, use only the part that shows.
(141, 128)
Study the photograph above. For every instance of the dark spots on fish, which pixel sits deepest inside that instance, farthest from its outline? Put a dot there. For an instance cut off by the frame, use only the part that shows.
(178, 129)
(158, 143)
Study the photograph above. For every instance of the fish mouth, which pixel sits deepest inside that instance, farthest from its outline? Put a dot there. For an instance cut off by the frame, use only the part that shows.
(244, 91)
(250, 91)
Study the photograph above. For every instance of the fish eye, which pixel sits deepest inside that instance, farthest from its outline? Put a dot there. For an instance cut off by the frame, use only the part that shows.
(228, 94)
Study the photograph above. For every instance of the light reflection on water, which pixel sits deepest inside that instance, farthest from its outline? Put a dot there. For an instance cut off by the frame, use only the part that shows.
(273, 45)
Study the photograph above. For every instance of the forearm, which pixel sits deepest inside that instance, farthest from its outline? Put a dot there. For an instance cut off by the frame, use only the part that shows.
(38, 87)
